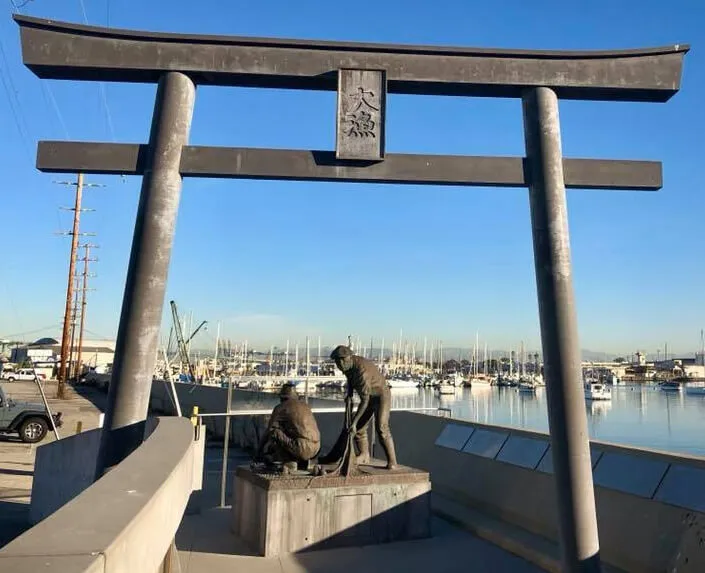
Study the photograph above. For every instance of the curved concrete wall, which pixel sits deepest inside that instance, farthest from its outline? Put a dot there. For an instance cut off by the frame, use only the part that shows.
(124, 522)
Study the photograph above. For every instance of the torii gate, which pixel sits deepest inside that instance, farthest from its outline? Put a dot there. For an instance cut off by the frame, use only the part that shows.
(362, 74)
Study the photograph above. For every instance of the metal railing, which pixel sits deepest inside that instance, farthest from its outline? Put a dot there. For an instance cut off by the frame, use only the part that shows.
(196, 418)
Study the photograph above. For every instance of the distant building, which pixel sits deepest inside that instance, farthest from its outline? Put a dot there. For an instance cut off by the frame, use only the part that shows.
(700, 358)
(45, 354)
(640, 359)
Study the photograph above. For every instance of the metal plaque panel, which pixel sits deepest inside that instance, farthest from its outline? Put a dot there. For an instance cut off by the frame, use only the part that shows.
(360, 115)
(683, 486)
(546, 464)
(631, 474)
(523, 451)
(454, 436)
(485, 443)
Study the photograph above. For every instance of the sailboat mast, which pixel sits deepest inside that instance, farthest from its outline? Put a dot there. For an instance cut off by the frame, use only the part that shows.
(308, 367)
(296, 360)
(215, 355)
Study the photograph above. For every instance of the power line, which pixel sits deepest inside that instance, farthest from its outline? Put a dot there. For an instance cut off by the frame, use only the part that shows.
(34, 331)
(22, 4)
(15, 106)
(46, 89)
(51, 100)
(101, 86)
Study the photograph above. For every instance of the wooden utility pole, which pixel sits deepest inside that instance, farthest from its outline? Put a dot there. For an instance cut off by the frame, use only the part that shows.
(66, 349)
(84, 289)
(61, 388)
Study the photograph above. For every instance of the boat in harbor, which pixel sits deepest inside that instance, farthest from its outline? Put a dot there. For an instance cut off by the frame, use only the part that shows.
(527, 386)
(670, 386)
(597, 391)
(479, 381)
(695, 389)
(395, 383)
(445, 388)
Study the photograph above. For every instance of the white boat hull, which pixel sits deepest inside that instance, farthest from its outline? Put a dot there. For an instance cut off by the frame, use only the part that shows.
(597, 392)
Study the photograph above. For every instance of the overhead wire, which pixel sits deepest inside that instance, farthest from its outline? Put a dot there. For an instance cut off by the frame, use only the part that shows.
(101, 85)
(15, 106)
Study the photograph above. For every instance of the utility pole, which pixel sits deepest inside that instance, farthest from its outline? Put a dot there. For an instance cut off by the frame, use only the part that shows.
(84, 289)
(61, 388)
(65, 336)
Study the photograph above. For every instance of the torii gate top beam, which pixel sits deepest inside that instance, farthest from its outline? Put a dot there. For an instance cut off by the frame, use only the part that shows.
(58, 50)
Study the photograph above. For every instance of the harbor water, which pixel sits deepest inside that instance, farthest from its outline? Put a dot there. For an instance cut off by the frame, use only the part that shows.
(637, 415)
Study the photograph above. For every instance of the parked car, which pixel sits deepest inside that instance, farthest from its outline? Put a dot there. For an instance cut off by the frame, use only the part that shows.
(100, 381)
(30, 421)
(22, 374)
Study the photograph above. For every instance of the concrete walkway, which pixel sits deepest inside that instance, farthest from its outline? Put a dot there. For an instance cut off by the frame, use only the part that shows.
(206, 546)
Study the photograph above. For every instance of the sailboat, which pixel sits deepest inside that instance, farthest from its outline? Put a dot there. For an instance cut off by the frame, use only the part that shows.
(698, 389)
(479, 380)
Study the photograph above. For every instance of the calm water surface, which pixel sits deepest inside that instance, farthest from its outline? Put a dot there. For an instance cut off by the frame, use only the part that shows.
(637, 415)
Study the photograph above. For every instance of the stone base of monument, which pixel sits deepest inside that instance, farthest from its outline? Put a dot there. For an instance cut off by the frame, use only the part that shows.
(279, 514)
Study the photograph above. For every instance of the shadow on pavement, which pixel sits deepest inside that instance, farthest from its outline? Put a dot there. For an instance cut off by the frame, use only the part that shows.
(14, 519)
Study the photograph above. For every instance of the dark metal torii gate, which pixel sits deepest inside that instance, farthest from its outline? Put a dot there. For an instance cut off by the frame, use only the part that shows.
(362, 74)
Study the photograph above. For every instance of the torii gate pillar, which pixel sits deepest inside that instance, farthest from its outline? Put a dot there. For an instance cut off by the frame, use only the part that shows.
(559, 332)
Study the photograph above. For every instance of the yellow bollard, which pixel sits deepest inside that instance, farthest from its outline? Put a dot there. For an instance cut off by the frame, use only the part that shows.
(79, 427)
(194, 416)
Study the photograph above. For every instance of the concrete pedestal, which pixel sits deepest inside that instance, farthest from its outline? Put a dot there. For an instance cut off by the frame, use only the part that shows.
(278, 514)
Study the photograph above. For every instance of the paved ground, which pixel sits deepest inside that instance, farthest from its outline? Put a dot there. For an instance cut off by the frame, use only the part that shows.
(206, 545)
(17, 458)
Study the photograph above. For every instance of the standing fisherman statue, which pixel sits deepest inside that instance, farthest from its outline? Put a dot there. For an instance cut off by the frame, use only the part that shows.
(365, 379)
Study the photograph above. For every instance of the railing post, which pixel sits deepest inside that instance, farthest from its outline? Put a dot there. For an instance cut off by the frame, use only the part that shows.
(567, 418)
(226, 444)
(143, 299)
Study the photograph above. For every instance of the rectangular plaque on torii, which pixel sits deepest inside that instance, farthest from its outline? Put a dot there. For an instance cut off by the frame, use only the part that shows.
(360, 115)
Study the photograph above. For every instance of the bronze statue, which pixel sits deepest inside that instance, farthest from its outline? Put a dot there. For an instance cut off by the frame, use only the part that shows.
(363, 377)
(292, 435)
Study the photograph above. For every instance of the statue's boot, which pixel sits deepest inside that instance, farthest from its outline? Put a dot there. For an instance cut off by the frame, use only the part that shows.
(363, 446)
(389, 451)
(289, 468)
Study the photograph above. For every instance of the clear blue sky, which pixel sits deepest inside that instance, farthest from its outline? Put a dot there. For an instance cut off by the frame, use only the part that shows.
(273, 260)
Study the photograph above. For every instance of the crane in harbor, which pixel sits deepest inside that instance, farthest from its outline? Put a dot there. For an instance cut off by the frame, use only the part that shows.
(183, 343)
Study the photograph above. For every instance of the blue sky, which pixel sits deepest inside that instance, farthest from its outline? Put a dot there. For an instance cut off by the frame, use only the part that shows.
(276, 260)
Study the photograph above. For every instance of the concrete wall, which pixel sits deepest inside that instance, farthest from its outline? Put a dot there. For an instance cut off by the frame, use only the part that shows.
(126, 521)
(62, 470)
(212, 399)
(644, 499)
(651, 505)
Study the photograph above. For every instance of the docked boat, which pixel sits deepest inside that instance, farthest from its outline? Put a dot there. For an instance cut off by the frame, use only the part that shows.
(527, 387)
(395, 383)
(671, 386)
(444, 388)
(695, 389)
(597, 391)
